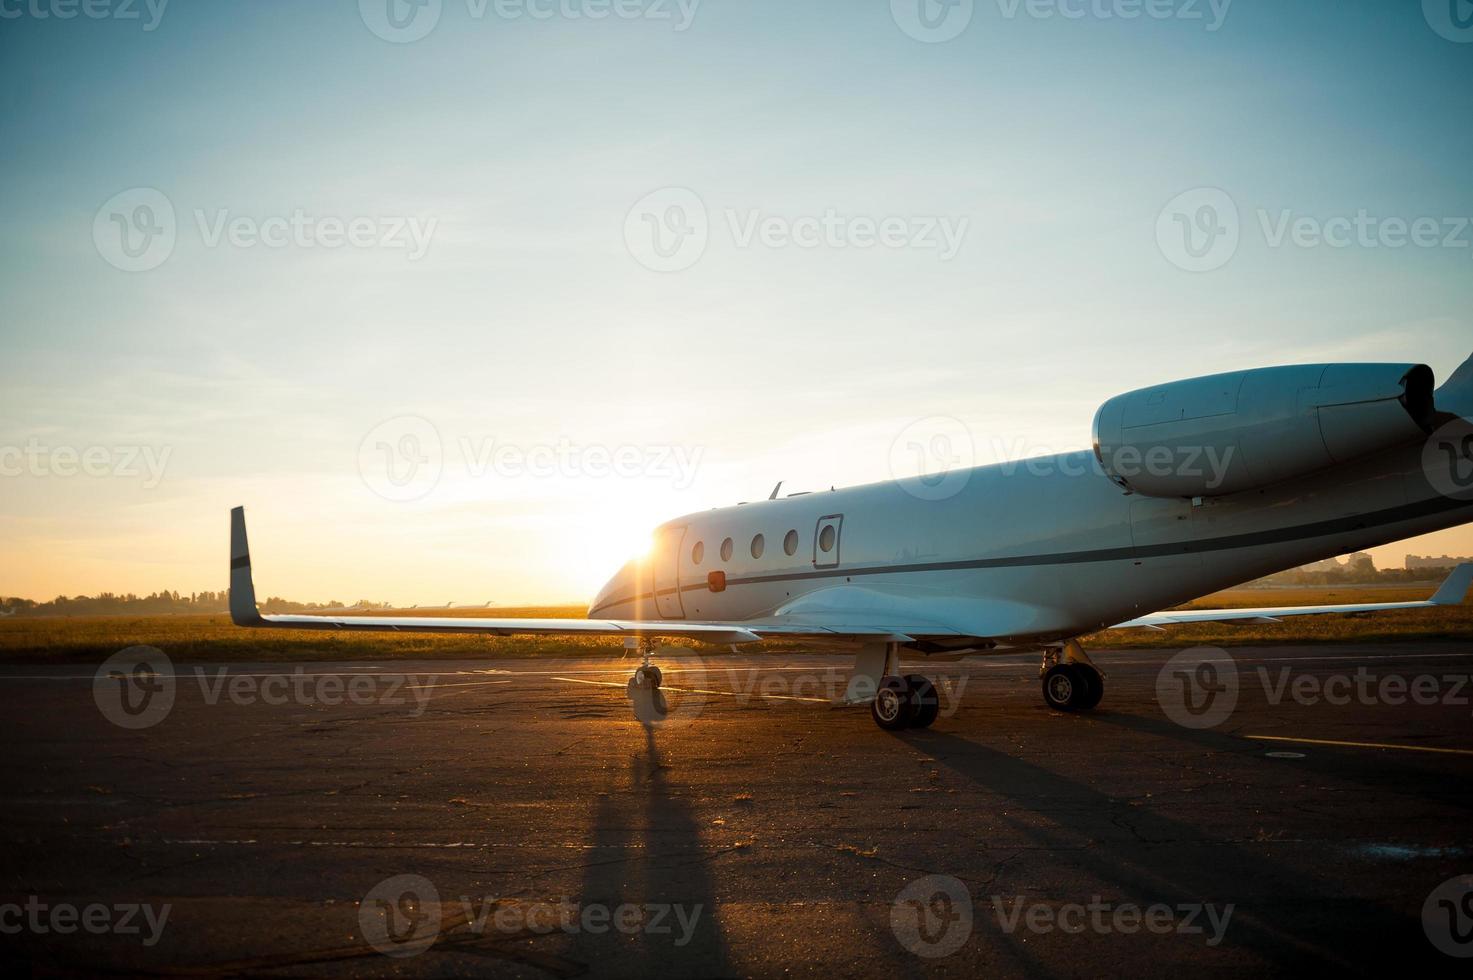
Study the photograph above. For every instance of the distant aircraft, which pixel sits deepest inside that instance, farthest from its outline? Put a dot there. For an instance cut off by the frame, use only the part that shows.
(1191, 487)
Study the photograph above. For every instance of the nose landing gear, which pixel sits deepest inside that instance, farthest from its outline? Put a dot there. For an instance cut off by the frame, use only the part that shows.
(643, 688)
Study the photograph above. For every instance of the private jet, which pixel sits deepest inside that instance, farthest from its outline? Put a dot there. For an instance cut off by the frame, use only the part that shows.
(1190, 487)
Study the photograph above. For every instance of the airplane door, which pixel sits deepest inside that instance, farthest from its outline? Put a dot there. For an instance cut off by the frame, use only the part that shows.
(826, 541)
(666, 558)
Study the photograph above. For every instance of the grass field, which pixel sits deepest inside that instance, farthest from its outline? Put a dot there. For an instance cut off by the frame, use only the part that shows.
(212, 637)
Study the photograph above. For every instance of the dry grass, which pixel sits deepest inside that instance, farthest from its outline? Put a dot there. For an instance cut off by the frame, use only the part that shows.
(213, 637)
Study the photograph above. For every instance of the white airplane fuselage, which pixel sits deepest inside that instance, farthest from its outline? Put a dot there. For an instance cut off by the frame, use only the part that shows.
(1054, 540)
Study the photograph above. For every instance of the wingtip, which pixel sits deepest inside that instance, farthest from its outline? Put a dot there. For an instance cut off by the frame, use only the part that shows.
(1455, 589)
(243, 611)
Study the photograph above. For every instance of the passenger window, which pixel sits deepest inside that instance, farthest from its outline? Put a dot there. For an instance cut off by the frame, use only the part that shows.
(698, 553)
(758, 544)
(790, 543)
(726, 550)
(826, 538)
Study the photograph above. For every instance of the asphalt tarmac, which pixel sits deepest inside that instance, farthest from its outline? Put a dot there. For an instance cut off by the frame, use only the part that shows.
(1280, 810)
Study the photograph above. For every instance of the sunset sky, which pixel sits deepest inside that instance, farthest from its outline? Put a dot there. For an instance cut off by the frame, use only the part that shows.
(345, 251)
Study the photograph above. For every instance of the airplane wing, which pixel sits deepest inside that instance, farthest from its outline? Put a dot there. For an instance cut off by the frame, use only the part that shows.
(243, 612)
(1452, 593)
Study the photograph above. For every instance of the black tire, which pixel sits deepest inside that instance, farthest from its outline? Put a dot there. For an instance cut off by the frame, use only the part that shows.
(1064, 688)
(650, 675)
(893, 706)
(1095, 682)
(927, 702)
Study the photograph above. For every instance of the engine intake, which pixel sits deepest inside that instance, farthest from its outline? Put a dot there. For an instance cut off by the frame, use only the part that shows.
(1227, 433)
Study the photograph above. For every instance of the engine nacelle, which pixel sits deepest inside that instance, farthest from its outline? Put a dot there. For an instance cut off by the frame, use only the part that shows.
(1232, 432)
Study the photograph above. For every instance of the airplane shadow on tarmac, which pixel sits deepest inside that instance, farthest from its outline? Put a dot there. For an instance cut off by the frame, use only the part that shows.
(668, 870)
(1170, 862)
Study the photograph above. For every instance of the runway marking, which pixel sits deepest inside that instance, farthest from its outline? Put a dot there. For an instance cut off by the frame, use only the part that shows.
(696, 690)
(1359, 745)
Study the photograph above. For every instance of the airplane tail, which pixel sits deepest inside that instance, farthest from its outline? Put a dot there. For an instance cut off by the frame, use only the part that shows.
(1455, 397)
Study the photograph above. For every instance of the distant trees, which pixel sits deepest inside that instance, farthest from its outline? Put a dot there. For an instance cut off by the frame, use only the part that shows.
(155, 604)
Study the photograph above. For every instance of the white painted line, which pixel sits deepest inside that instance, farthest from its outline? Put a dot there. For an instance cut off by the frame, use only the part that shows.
(695, 690)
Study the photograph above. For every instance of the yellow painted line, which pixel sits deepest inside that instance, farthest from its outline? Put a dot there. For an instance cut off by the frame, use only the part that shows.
(696, 690)
(1360, 745)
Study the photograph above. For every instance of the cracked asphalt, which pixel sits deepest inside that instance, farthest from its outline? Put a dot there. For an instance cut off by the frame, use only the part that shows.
(512, 819)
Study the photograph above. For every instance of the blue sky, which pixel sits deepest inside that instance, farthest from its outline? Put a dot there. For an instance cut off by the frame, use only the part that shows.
(520, 144)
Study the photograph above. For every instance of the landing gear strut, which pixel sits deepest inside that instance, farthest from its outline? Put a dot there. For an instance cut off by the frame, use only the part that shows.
(1071, 681)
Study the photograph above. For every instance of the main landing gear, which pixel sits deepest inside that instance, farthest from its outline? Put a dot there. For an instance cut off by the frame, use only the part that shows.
(905, 702)
(896, 700)
(1071, 681)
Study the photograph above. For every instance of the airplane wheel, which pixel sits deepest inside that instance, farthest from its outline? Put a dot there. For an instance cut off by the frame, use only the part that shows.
(649, 675)
(894, 705)
(1065, 688)
(1096, 682)
(927, 703)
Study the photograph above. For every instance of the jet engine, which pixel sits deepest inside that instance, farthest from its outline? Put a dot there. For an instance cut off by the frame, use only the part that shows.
(1227, 433)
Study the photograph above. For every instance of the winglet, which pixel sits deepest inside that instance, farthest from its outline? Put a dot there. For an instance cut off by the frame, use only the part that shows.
(243, 610)
(1455, 589)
